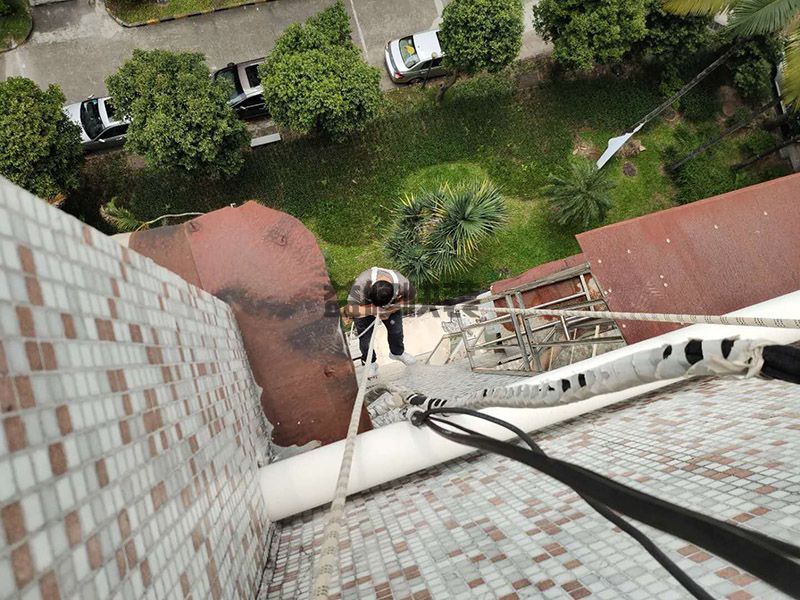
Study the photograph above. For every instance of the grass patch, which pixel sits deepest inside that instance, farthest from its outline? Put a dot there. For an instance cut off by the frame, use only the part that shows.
(15, 26)
(429, 178)
(137, 11)
(345, 193)
(709, 174)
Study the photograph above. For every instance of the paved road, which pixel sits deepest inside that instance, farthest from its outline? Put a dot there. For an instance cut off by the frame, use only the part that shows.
(76, 44)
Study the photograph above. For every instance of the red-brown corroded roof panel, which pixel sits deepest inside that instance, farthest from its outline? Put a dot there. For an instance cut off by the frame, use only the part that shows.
(269, 268)
(708, 257)
(536, 273)
(543, 294)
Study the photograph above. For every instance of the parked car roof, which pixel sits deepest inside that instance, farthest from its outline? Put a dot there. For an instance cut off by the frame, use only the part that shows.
(427, 43)
(248, 74)
(98, 113)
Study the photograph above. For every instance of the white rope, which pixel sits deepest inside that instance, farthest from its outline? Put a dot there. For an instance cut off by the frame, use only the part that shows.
(326, 563)
(729, 357)
(788, 323)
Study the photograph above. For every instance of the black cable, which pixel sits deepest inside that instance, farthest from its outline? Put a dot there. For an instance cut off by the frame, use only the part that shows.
(658, 555)
(756, 553)
(754, 536)
(781, 362)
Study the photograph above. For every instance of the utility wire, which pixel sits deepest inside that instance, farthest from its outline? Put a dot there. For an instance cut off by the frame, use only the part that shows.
(683, 319)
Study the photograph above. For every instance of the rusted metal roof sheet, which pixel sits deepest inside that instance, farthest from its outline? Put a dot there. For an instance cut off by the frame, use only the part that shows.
(709, 257)
(269, 268)
(545, 293)
(536, 273)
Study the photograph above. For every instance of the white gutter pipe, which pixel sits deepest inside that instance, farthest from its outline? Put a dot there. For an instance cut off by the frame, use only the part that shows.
(308, 480)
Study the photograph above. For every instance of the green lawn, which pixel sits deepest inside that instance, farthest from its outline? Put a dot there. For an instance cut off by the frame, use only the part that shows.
(345, 193)
(138, 11)
(14, 27)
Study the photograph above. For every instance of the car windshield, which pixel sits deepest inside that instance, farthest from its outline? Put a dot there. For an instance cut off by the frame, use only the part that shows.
(230, 75)
(408, 52)
(90, 118)
(252, 76)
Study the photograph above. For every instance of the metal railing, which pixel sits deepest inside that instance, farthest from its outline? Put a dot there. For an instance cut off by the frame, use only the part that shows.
(515, 344)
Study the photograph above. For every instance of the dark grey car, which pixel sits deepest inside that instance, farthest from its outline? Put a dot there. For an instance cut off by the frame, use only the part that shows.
(246, 93)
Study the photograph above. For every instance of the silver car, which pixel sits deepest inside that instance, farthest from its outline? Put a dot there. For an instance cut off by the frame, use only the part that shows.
(415, 58)
(100, 127)
(246, 94)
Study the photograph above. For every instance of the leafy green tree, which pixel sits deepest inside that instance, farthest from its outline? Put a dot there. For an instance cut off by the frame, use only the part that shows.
(439, 232)
(580, 195)
(479, 35)
(588, 32)
(672, 38)
(752, 65)
(315, 80)
(41, 148)
(753, 18)
(333, 23)
(180, 117)
(672, 45)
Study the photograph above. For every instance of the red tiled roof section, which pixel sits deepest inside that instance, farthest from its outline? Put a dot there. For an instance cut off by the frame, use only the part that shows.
(709, 257)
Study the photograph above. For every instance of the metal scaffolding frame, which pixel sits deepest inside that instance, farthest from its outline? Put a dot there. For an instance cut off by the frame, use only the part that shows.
(535, 344)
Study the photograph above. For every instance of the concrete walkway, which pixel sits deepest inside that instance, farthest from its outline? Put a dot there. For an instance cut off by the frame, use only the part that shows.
(77, 45)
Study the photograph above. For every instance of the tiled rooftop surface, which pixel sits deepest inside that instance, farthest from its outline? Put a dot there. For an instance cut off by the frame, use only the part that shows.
(130, 425)
(488, 527)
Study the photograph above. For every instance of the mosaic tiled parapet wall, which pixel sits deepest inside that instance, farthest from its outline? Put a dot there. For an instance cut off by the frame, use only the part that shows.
(131, 425)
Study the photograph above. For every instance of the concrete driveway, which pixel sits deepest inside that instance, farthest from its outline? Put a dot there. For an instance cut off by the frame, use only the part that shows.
(375, 22)
(77, 45)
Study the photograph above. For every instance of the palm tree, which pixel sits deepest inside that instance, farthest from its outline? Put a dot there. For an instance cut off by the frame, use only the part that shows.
(462, 217)
(579, 195)
(438, 232)
(748, 18)
(126, 222)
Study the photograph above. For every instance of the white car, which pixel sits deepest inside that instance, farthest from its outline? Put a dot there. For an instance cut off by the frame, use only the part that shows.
(415, 57)
(100, 128)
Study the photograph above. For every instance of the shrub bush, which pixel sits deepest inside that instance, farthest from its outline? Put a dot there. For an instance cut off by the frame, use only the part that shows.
(752, 67)
(672, 38)
(703, 176)
(757, 142)
(483, 86)
(587, 32)
(481, 35)
(701, 104)
(40, 148)
(6, 8)
(438, 232)
(180, 117)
